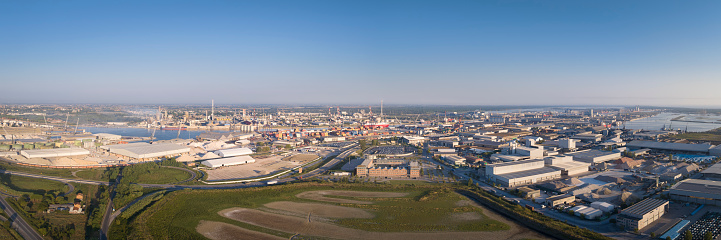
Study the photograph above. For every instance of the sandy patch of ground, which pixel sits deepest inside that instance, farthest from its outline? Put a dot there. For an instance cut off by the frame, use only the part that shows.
(463, 203)
(321, 210)
(225, 231)
(303, 226)
(260, 167)
(321, 196)
(301, 158)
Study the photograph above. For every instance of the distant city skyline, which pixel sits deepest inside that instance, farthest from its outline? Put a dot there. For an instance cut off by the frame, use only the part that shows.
(651, 53)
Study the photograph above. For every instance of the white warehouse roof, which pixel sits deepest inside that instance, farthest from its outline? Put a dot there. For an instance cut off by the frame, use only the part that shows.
(58, 152)
(146, 150)
(223, 162)
(234, 152)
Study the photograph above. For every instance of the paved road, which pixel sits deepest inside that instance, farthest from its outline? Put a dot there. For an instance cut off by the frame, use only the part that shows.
(107, 219)
(18, 223)
(192, 174)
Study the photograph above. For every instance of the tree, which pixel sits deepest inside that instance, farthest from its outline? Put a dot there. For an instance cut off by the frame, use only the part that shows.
(653, 235)
(688, 235)
(708, 236)
(470, 182)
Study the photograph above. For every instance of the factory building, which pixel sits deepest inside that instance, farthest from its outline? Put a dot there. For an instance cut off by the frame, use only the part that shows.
(587, 137)
(146, 151)
(50, 153)
(697, 191)
(525, 172)
(414, 140)
(566, 164)
(676, 147)
(454, 160)
(107, 136)
(560, 199)
(225, 162)
(642, 213)
(594, 156)
(369, 168)
(233, 152)
(712, 172)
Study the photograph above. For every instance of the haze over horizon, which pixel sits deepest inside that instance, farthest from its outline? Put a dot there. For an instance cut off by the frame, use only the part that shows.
(658, 53)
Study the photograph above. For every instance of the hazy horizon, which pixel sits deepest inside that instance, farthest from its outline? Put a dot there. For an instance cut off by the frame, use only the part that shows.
(493, 53)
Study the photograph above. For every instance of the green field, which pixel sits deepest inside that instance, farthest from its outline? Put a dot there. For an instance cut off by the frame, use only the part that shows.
(162, 175)
(711, 135)
(57, 172)
(92, 174)
(424, 209)
(17, 185)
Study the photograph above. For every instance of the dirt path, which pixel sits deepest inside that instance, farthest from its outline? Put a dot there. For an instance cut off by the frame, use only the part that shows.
(302, 226)
(224, 231)
(320, 210)
(321, 196)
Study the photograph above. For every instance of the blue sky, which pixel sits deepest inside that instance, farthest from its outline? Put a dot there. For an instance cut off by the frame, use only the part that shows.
(348, 52)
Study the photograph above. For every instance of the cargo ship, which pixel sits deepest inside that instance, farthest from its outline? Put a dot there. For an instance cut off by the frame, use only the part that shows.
(174, 128)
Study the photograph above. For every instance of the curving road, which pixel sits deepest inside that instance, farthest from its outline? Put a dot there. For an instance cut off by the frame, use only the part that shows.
(110, 215)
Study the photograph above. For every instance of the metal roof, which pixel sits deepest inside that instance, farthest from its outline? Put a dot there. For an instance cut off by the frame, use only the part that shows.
(529, 173)
(146, 150)
(643, 207)
(698, 185)
(714, 169)
(670, 146)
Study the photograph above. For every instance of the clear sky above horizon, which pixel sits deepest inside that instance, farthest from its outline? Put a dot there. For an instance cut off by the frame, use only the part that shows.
(347, 52)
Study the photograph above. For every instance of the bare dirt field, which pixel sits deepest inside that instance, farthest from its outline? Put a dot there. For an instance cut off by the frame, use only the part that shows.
(259, 168)
(225, 231)
(321, 210)
(321, 196)
(303, 226)
(301, 158)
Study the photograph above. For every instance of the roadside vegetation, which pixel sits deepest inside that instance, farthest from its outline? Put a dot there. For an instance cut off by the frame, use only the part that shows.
(19, 185)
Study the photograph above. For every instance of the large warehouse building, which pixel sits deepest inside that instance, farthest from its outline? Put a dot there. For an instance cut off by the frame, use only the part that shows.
(146, 151)
(50, 153)
(566, 164)
(513, 174)
(697, 191)
(225, 162)
(642, 213)
(234, 152)
(713, 172)
(667, 146)
(594, 156)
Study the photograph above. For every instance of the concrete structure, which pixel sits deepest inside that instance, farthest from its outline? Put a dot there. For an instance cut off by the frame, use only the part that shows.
(712, 172)
(57, 152)
(642, 213)
(560, 199)
(569, 144)
(594, 156)
(146, 151)
(368, 168)
(677, 147)
(414, 140)
(587, 137)
(603, 206)
(454, 160)
(697, 191)
(529, 192)
(231, 161)
(232, 152)
(512, 174)
(108, 136)
(333, 139)
(566, 164)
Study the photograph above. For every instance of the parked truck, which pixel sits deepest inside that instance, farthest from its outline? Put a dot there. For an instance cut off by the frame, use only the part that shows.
(271, 182)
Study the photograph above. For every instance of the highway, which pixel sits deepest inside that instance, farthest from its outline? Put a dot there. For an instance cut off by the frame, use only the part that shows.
(18, 223)
(29, 233)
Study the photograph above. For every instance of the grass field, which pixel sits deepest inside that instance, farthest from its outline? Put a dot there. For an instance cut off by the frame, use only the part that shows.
(57, 172)
(711, 135)
(17, 185)
(163, 175)
(91, 174)
(425, 208)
